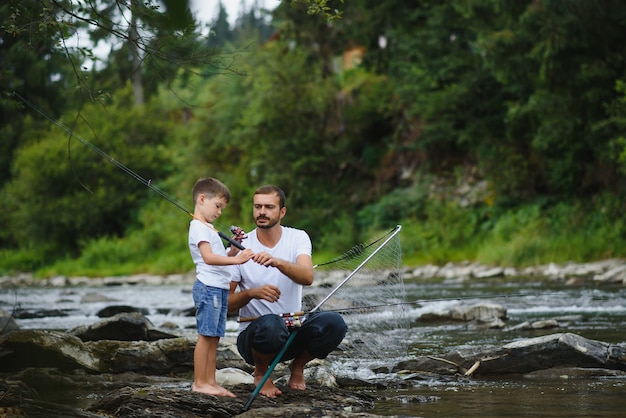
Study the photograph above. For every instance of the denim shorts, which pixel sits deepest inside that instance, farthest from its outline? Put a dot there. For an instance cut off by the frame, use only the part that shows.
(211, 309)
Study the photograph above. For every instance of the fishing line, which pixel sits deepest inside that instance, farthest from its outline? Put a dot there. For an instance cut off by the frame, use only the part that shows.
(146, 182)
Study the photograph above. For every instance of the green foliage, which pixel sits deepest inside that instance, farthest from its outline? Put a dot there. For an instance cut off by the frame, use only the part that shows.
(567, 231)
(526, 97)
(157, 245)
(63, 192)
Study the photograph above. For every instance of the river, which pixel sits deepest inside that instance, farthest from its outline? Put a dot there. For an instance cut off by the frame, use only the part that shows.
(595, 312)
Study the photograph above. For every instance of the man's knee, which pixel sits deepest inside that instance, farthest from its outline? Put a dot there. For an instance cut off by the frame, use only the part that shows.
(267, 334)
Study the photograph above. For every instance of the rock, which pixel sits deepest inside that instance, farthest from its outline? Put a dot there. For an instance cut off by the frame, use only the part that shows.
(484, 312)
(29, 348)
(483, 315)
(126, 326)
(482, 273)
(314, 402)
(113, 310)
(93, 297)
(561, 349)
(616, 274)
(231, 376)
(525, 356)
(532, 326)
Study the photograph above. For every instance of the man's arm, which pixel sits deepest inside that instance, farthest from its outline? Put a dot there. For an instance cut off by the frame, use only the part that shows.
(300, 272)
(237, 300)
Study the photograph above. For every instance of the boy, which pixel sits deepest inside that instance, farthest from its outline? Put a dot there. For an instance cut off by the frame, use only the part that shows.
(213, 276)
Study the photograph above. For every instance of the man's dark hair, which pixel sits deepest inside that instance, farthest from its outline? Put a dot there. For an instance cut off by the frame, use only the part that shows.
(269, 189)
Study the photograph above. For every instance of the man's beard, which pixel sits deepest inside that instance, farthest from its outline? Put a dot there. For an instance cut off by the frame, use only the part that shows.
(269, 225)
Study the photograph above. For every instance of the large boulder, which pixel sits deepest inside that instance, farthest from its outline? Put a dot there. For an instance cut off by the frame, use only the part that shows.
(34, 348)
(561, 350)
(124, 326)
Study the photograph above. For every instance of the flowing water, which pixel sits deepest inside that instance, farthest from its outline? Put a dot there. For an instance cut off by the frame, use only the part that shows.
(593, 312)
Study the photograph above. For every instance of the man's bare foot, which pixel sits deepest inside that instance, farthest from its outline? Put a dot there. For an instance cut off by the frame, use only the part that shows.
(296, 381)
(215, 390)
(269, 389)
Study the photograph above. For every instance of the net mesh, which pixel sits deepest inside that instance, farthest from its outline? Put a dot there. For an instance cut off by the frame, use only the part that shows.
(372, 301)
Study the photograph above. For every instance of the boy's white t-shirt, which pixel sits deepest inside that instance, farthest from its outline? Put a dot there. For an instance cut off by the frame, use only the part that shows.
(293, 242)
(216, 276)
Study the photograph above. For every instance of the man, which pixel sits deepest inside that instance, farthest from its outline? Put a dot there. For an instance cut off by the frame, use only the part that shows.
(271, 285)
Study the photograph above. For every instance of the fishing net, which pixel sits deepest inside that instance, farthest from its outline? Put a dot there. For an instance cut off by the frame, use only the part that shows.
(372, 301)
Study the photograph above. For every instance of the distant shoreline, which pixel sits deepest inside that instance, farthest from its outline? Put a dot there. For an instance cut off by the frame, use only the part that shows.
(610, 271)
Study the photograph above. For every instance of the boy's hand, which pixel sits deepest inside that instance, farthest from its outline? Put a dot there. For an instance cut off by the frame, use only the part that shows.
(244, 256)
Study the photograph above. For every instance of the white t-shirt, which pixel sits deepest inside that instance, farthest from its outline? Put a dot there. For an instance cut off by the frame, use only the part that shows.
(216, 276)
(293, 242)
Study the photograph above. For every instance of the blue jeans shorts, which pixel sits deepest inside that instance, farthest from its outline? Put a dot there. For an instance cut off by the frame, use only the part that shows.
(211, 309)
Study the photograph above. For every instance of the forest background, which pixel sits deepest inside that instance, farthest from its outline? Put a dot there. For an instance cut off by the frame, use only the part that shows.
(491, 130)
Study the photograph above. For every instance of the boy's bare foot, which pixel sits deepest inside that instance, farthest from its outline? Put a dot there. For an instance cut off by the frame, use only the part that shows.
(215, 390)
(269, 389)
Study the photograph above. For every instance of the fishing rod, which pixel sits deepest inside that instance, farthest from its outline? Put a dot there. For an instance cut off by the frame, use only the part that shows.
(388, 305)
(146, 182)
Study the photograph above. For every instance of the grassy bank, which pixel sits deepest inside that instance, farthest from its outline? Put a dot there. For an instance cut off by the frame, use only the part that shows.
(435, 233)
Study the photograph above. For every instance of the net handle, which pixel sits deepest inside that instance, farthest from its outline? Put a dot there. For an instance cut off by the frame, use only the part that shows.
(349, 276)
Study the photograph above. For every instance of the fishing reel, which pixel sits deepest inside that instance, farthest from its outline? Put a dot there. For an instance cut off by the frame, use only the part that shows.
(238, 233)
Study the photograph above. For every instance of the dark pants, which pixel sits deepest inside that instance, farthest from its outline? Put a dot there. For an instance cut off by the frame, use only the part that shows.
(319, 334)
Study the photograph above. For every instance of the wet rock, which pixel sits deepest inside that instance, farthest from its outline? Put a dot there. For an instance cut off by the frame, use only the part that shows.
(481, 315)
(314, 402)
(161, 356)
(126, 326)
(555, 350)
(484, 312)
(535, 325)
(525, 356)
(113, 310)
(51, 349)
(94, 297)
(29, 348)
(39, 313)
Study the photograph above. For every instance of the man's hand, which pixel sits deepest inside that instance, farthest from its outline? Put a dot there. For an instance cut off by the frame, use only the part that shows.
(266, 292)
(264, 258)
(300, 272)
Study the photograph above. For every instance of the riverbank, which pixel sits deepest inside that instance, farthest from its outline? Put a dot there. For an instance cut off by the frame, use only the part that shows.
(610, 271)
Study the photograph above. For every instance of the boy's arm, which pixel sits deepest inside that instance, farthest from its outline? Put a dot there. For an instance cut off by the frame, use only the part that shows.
(213, 259)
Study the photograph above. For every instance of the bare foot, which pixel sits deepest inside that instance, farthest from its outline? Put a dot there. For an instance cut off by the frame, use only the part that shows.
(296, 381)
(269, 389)
(212, 390)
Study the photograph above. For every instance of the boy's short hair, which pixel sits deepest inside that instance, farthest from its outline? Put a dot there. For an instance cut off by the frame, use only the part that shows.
(269, 189)
(210, 187)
